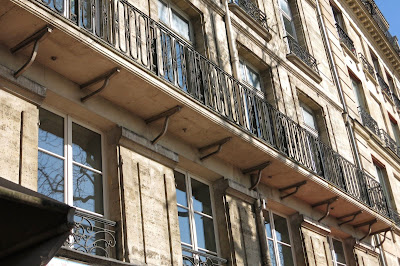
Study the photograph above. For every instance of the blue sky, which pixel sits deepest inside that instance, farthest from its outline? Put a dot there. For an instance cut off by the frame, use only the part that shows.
(391, 11)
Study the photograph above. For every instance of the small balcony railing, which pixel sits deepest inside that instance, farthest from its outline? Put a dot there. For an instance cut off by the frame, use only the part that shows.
(390, 143)
(296, 49)
(196, 258)
(140, 39)
(253, 11)
(92, 234)
(344, 38)
(368, 121)
(396, 101)
(367, 65)
(385, 87)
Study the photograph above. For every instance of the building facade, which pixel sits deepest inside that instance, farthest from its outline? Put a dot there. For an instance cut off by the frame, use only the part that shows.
(204, 132)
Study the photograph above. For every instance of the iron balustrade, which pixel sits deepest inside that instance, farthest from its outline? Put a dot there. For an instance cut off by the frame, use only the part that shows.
(196, 258)
(296, 49)
(368, 121)
(385, 87)
(253, 11)
(346, 39)
(92, 234)
(140, 39)
(396, 100)
(367, 65)
(390, 143)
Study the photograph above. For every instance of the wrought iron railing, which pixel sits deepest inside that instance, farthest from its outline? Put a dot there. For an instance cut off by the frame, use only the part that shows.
(140, 39)
(385, 87)
(253, 11)
(196, 258)
(390, 143)
(368, 121)
(376, 14)
(367, 65)
(92, 234)
(396, 100)
(296, 49)
(346, 39)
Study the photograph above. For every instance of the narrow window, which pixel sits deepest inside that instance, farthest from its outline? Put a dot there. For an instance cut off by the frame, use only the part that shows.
(174, 19)
(250, 75)
(395, 130)
(382, 178)
(287, 18)
(309, 118)
(337, 15)
(337, 251)
(375, 62)
(391, 84)
(280, 249)
(358, 93)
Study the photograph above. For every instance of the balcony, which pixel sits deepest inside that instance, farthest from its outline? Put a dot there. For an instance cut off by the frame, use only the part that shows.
(302, 59)
(195, 258)
(368, 68)
(248, 12)
(150, 49)
(390, 143)
(368, 121)
(93, 235)
(385, 87)
(396, 101)
(345, 39)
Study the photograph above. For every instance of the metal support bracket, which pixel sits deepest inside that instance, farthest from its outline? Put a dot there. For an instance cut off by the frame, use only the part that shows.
(165, 115)
(384, 236)
(296, 186)
(328, 203)
(369, 223)
(106, 77)
(258, 168)
(354, 214)
(37, 37)
(218, 143)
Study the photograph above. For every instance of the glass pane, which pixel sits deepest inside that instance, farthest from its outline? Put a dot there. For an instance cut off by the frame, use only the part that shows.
(254, 79)
(184, 228)
(205, 232)
(289, 27)
(51, 176)
(180, 25)
(268, 225)
(339, 252)
(309, 118)
(285, 7)
(86, 147)
(51, 132)
(281, 230)
(272, 252)
(163, 12)
(180, 184)
(285, 255)
(201, 197)
(88, 190)
(357, 93)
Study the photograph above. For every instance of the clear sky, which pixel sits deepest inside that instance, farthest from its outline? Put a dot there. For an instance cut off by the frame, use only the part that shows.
(391, 11)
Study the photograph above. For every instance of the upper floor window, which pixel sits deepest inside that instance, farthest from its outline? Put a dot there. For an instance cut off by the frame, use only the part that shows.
(358, 93)
(337, 15)
(382, 178)
(391, 83)
(279, 244)
(196, 223)
(395, 129)
(337, 251)
(70, 162)
(250, 75)
(287, 18)
(309, 118)
(375, 62)
(174, 19)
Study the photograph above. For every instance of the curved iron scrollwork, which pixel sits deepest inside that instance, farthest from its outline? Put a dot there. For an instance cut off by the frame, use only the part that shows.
(92, 234)
(253, 11)
(346, 39)
(296, 49)
(196, 258)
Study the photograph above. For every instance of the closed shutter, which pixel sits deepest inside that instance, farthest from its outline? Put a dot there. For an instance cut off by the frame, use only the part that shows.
(365, 257)
(316, 248)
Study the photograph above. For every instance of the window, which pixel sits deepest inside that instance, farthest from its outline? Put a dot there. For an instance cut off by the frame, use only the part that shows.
(391, 83)
(337, 15)
(196, 223)
(309, 118)
(382, 177)
(174, 19)
(358, 93)
(250, 75)
(278, 236)
(287, 18)
(337, 250)
(376, 64)
(70, 162)
(395, 129)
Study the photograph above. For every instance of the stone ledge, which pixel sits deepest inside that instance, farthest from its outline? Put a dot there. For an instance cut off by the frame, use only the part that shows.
(303, 66)
(237, 190)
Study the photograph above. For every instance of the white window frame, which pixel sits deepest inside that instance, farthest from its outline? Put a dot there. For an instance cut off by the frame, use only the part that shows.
(274, 241)
(246, 65)
(68, 161)
(173, 8)
(331, 247)
(303, 106)
(289, 17)
(192, 225)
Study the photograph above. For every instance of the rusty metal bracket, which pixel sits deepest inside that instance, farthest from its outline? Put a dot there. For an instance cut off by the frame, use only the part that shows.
(106, 77)
(296, 186)
(354, 214)
(165, 115)
(369, 223)
(37, 37)
(217, 143)
(328, 203)
(258, 168)
(384, 236)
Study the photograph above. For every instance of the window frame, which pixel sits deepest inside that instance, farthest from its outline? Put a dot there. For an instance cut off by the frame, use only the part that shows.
(288, 17)
(331, 248)
(68, 120)
(395, 129)
(173, 8)
(360, 88)
(247, 65)
(305, 107)
(382, 180)
(274, 240)
(192, 225)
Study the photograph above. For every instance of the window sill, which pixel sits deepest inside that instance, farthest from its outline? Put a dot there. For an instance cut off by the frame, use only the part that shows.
(303, 66)
(349, 52)
(253, 24)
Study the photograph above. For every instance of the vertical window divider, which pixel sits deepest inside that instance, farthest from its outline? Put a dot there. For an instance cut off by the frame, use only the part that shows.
(69, 166)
